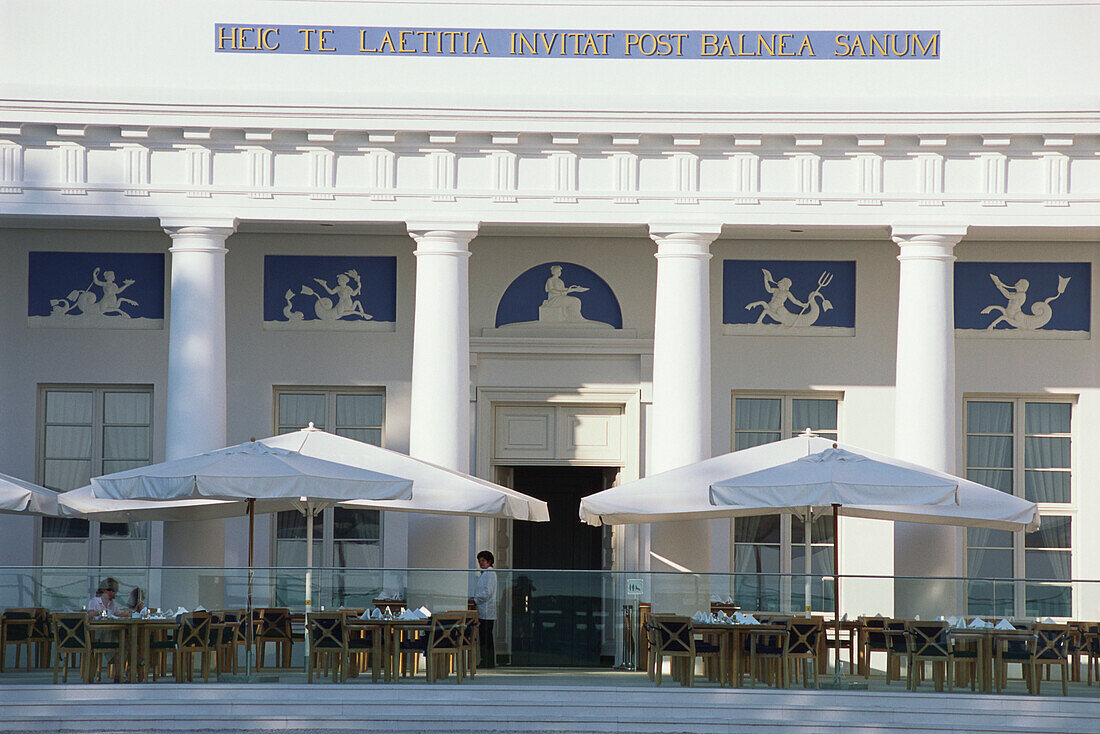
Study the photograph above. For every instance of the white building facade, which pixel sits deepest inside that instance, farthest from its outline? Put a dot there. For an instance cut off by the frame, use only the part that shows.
(667, 234)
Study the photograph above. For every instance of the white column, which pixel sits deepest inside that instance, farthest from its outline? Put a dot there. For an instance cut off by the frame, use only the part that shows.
(440, 411)
(925, 408)
(681, 379)
(196, 397)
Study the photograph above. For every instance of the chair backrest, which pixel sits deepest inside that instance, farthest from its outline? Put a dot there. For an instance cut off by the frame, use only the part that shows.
(874, 631)
(327, 631)
(42, 627)
(470, 629)
(928, 639)
(228, 626)
(273, 624)
(447, 631)
(673, 634)
(803, 636)
(1051, 642)
(19, 624)
(71, 632)
(194, 630)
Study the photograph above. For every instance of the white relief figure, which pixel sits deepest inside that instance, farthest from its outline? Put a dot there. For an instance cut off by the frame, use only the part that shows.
(1013, 313)
(346, 304)
(288, 309)
(559, 305)
(776, 307)
(85, 301)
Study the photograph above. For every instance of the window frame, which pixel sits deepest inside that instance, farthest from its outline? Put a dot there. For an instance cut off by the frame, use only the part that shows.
(786, 430)
(1019, 401)
(330, 393)
(94, 539)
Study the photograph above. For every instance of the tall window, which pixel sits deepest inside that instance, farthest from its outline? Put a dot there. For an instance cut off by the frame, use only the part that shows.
(1023, 447)
(342, 538)
(86, 431)
(776, 543)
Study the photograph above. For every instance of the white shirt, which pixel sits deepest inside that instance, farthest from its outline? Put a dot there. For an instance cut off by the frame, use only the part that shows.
(96, 604)
(485, 594)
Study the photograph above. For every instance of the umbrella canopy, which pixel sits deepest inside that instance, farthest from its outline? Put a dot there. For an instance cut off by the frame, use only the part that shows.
(435, 490)
(684, 493)
(252, 470)
(834, 476)
(84, 503)
(18, 496)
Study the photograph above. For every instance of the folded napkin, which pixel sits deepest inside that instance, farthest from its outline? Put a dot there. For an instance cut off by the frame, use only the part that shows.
(978, 624)
(745, 618)
(376, 613)
(1048, 620)
(699, 617)
(181, 610)
(844, 618)
(424, 612)
(916, 617)
(1004, 624)
(200, 608)
(940, 618)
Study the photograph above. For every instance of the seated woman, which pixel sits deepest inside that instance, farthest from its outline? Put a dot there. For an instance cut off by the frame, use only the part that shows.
(136, 602)
(104, 599)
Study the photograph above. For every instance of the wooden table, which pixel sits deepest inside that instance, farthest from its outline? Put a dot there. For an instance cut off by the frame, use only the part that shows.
(731, 639)
(387, 640)
(987, 639)
(134, 634)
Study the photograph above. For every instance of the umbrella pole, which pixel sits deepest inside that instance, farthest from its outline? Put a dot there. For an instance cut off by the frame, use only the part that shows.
(807, 565)
(308, 510)
(836, 593)
(248, 612)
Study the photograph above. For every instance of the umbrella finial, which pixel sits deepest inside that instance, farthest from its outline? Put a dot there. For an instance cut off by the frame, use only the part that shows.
(809, 432)
(311, 427)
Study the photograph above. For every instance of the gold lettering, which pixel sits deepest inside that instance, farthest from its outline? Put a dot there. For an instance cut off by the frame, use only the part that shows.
(306, 34)
(631, 40)
(480, 43)
(741, 46)
(783, 42)
(882, 45)
(761, 43)
(590, 43)
(424, 35)
(244, 40)
(842, 40)
(386, 41)
(933, 45)
(710, 41)
(603, 41)
(894, 44)
(858, 43)
(531, 45)
(324, 39)
(401, 49)
(266, 44)
(547, 46)
(679, 42)
(806, 45)
(663, 43)
(222, 38)
(363, 43)
(465, 41)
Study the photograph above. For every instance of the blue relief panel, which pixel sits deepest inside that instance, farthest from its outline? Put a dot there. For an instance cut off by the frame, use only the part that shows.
(559, 295)
(96, 290)
(1021, 300)
(330, 292)
(789, 297)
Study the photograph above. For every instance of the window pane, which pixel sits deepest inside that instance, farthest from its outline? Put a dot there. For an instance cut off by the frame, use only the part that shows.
(762, 529)
(356, 554)
(748, 440)
(1046, 452)
(373, 436)
(983, 538)
(1047, 417)
(126, 442)
(1042, 564)
(355, 524)
(1047, 486)
(64, 527)
(69, 407)
(297, 409)
(68, 442)
(358, 410)
(758, 414)
(123, 551)
(996, 478)
(110, 467)
(822, 532)
(983, 417)
(291, 524)
(127, 407)
(66, 474)
(989, 564)
(990, 598)
(1055, 531)
(989, 451)
(64, 553)
(1049, 600)
(813, 414)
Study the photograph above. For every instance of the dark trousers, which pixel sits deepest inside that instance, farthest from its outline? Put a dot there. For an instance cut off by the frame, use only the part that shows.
(488, 654)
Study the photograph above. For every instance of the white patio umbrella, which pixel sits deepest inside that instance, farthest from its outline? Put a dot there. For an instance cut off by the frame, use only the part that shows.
(281, 478)
(19, 496)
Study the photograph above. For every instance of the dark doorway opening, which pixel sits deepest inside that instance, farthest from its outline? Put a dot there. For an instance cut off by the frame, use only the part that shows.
(558, 617)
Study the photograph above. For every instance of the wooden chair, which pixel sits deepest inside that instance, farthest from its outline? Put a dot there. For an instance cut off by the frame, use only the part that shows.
(803, 643)
(442, 644)
(929, 642)
(194, 635)
(1013, 650)
(328, 645)
(17, 627)
(471, 642)
(228, 632)
(1090, 650)
(768, 646)
(1051, 648)
(73, 637)
(674, 638)
(273, 625)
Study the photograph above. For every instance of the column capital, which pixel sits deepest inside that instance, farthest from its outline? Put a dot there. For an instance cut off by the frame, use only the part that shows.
(684, 239)
(927, 242)
(193, 232)
(442, 237)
